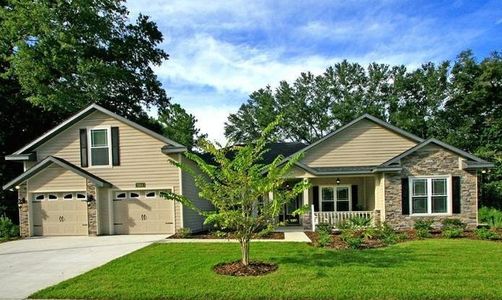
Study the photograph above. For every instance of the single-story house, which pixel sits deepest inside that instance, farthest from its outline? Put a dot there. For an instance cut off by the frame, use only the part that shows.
(98, 173)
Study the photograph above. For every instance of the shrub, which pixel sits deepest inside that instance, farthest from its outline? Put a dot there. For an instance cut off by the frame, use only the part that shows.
(486, 234)
(324, 230)
(7, 228)
(453, 228)
(491, 216)
(183, 232)
(325, 239)
(422, 228)
(359, 221)
(387, 234)
(353, 238)
(265, 231)
(326, 227)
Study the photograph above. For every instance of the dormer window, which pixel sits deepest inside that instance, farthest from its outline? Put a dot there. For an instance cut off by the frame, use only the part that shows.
(100, 152)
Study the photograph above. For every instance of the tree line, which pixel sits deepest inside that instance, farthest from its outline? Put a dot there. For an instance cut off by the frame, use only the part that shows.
(458, 102)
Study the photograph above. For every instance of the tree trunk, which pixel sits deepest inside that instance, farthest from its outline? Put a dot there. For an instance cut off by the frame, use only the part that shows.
(245, 251)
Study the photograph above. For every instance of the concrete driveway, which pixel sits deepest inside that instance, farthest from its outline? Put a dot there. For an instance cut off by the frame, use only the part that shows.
(29, 265)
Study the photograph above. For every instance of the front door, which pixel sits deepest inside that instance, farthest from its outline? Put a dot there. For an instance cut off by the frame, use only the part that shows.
(287, 212)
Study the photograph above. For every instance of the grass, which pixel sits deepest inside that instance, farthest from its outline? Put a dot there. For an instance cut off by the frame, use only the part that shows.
(419, 269)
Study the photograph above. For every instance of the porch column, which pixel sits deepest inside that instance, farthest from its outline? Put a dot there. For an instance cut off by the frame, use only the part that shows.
(305, 194)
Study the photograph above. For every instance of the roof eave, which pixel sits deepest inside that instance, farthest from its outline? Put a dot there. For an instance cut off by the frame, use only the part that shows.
(22, 157)
(173, 150)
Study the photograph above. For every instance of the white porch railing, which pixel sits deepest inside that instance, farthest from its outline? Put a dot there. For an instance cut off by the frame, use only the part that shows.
(338, 217)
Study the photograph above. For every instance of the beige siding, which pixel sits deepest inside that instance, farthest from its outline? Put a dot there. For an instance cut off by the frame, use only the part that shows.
(191, 218)
(363, 144)
(56, 179)
(103, 211)
(140, 155)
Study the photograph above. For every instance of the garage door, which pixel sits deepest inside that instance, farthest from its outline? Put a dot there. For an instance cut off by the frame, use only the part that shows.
(60, 213)
(142, 212)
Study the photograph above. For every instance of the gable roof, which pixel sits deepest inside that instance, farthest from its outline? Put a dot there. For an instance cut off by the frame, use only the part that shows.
(79, 116)
(60, 162)
(478, 161)
(357, 120)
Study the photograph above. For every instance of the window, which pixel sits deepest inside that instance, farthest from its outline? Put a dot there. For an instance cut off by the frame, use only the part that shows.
(335, 198)
(150, 194)
(53, 197)
(133, 195)
(328, 199)
(81, 196)
(100, 147)
(39, 197)
(120, 195)
(68, 196)
(342, 199)
(430, 195)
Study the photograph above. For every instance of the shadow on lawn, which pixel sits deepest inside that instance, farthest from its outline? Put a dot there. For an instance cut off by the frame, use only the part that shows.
(374, 258)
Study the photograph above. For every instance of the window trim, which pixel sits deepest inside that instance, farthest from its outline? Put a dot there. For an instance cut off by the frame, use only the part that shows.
(89, 146)
(115, 195)
(333, 187)
(82, 193)
(39, 194)
(429, 195)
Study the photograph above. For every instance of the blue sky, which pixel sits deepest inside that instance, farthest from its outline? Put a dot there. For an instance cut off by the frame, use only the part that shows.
(221, 51)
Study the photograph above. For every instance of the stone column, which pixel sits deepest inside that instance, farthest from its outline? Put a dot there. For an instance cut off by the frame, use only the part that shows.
(24, 223)
(91, 208)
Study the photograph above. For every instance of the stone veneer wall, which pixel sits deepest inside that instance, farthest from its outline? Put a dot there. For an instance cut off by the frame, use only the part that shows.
(430, 160)
(91, 208)
(24, 223)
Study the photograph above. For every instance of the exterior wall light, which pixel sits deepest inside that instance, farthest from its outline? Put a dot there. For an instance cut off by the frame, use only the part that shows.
(338, 181)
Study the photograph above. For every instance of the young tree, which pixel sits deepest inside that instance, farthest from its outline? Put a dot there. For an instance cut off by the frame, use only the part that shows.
(235, 183)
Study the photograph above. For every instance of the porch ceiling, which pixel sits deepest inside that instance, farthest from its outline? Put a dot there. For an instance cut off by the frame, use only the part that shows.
(352, 170)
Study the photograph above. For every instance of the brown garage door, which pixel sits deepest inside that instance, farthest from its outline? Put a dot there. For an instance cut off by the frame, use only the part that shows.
(142, 212)
(59, 214)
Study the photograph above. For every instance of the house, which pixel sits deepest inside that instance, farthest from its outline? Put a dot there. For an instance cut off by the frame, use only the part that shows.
(369, 168)
(98, 173)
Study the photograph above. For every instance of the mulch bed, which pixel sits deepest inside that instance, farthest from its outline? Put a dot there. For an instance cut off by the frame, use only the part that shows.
(236, 268)
(211, 235)
(338, 244)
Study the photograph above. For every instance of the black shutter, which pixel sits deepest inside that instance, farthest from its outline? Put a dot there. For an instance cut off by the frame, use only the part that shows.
(405, 199)
(455, 193)
(115, 147)
(84, 157)
(355, 197)
(315, 191)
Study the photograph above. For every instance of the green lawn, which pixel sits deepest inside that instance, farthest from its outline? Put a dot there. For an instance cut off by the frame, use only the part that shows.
(423, 269)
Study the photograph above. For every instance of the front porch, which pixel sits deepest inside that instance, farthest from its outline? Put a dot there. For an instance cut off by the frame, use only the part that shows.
(336, 199)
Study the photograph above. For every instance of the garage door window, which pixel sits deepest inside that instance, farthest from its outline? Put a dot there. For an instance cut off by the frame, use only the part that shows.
(39, 197)
(120, 195)
(151, 195)
(134, 195)
(68, 196)
(100, 147)
(53, 197)
(81, 196)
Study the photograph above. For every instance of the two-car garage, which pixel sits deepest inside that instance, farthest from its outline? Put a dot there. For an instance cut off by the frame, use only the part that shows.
(133, 212)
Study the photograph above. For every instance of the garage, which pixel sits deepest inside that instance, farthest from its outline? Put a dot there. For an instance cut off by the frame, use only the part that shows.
(142, 212)
(60, 213)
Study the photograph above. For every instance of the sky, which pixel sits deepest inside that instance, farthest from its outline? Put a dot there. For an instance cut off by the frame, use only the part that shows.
(221, 51)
